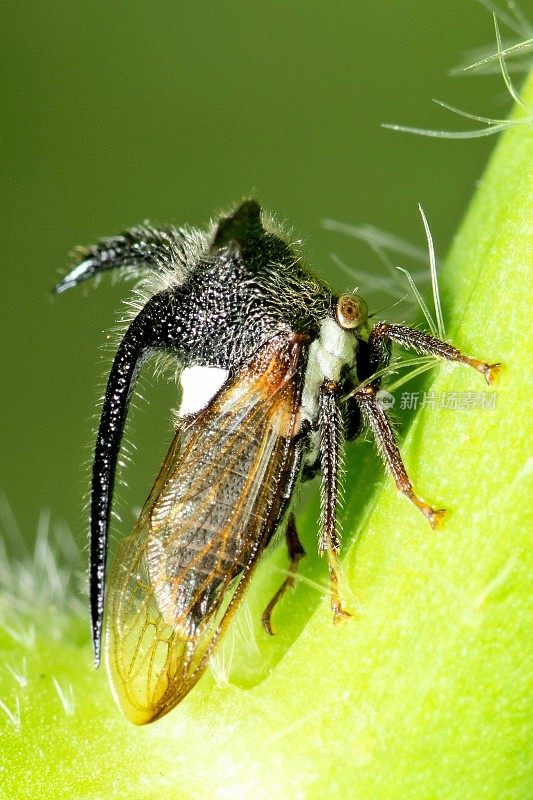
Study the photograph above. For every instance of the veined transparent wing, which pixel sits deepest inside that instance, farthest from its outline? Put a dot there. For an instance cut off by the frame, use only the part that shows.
(178, 579)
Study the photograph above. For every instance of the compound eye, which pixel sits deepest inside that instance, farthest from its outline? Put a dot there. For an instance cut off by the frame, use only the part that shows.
(351, 311)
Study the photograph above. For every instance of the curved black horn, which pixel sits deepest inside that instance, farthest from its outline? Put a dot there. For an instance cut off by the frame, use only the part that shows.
(145, 335)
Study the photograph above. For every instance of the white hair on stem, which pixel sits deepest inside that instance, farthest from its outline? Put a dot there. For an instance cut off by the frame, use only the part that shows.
(323, 589)
(493, 126)
(66, 697)
(377, 282)
(244, 629)
(49, 575)
(433, 270)
(484, 61)
(503, 67)
(420, 299)
(19, 672)
(382, 243)
(492, 60)
(377, 238)
(221, 661)
(515, 21)
(12, 714)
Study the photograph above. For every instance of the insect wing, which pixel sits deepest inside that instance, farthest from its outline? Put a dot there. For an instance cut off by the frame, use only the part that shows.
(175, 583)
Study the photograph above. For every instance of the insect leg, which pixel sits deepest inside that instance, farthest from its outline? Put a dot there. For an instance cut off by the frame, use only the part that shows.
(330, 424)
(144, 336)
(143, 246)
(384, 333)
(296, 553)
(375, 417)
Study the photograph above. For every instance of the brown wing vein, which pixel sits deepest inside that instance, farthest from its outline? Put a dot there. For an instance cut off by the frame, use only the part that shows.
(211, 510)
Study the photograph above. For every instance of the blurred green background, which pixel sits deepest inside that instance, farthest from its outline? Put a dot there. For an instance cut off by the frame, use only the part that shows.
(113, 113)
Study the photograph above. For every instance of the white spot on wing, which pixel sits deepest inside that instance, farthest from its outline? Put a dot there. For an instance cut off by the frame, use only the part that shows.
(199, 385)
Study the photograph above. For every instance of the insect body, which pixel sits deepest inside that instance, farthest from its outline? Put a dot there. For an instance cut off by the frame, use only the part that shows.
(275, 372)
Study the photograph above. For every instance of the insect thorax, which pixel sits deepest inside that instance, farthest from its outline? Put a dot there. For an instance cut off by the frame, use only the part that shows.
(234, 307)
(246, 286)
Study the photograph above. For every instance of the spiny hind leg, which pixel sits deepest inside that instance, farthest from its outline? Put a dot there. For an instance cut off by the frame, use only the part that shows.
(296, 553)
(377, 420)
(378, 355)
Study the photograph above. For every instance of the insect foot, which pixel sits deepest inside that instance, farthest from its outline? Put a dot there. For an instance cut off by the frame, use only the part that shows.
(490, 371)
(339, 613)
(434, 516)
